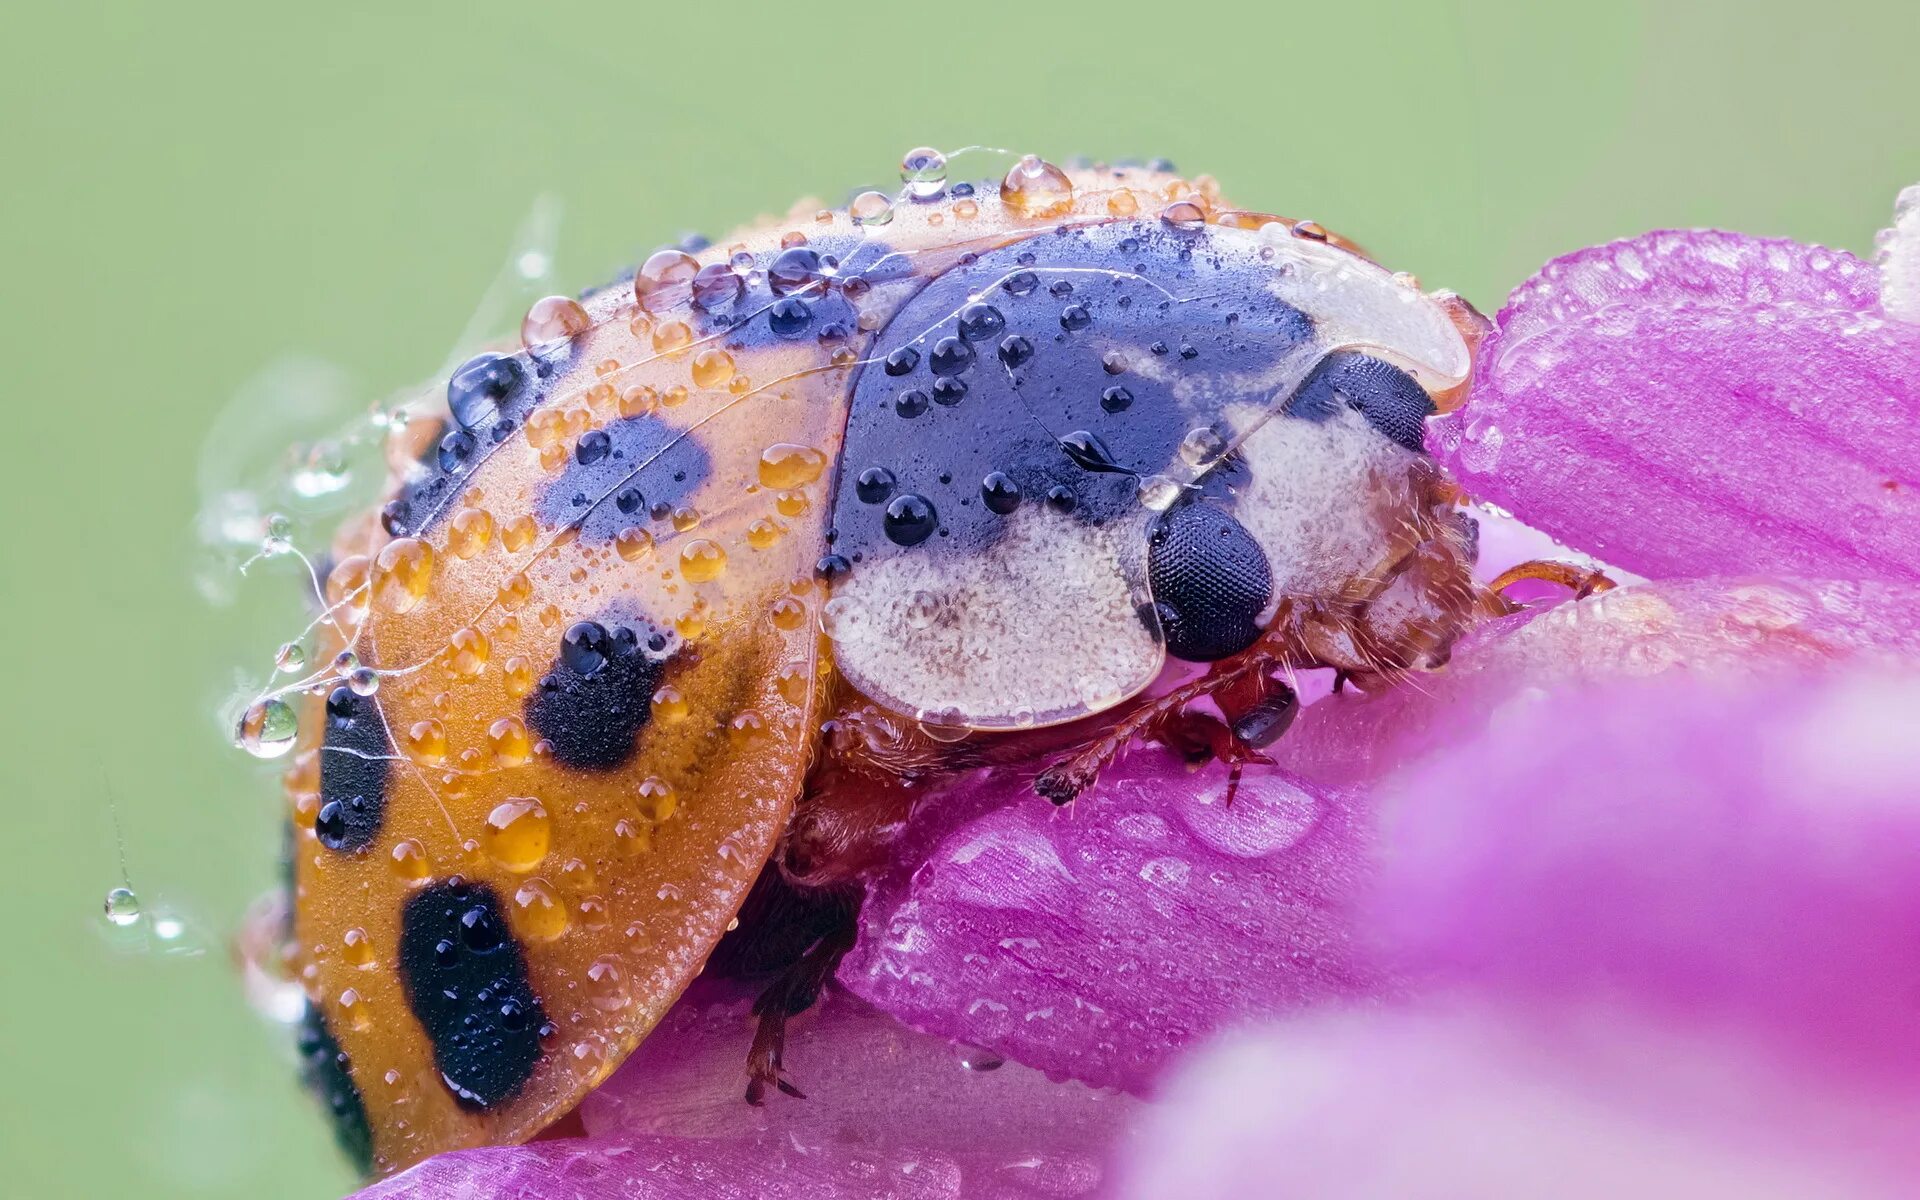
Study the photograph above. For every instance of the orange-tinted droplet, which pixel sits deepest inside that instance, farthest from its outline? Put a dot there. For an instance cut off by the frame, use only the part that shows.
(656, 798)
(794, 684)
(355, 948)
(762, 534)
(784, 465)
(347, 586)
(631, 836)
(1123, 203)
(409, 861)
(632, 543)
(515, 590)
(792, 504)
(788, 613)
(519, 533)
(402, 574)
(508, 738)
(539, 915)
(517, 675)
(1035, 188)
(517, 834)
(669, 706)
(469, 532)
(702, 560)
(470, 652)
(426, 742)
(671, 336)
(712, 368)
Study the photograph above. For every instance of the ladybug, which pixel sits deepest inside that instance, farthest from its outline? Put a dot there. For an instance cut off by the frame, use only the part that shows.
(670, 615)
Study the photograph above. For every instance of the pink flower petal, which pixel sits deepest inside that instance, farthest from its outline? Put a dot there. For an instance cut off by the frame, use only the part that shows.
(888, 1112)
(1096, 942)
(872, 1085)
(1677, 921)
(1687, 404)
(1498, 1104)
(1742, 854)
(1736, 628)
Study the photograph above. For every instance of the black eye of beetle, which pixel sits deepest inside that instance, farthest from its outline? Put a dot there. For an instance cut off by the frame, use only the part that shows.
(1210, 582)
(1385, 395)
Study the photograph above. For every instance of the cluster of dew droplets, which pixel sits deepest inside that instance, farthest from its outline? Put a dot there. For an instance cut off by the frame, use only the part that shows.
(1899, 259)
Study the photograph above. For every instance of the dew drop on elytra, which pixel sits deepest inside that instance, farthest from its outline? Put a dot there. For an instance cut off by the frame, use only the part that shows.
(924, 170)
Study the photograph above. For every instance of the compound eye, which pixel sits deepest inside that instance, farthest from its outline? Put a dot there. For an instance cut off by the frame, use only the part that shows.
(1211, 581)
(1389, 398)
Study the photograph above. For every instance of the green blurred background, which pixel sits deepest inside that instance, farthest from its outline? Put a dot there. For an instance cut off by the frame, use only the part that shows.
(194, 193)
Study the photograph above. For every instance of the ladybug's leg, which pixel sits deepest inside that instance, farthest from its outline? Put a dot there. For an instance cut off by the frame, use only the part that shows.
(1257, 705)
(1581, 581)
(792, 992)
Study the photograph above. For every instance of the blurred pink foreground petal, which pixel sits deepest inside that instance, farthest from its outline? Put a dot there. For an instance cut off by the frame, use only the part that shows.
(1675, 923)
(1687, 404)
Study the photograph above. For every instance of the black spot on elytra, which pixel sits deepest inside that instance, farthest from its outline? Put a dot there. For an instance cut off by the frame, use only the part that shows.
(1210, 582)
(1385, 395)
(591, 707)
(323, 1071)
(466, 982)
(353, 772)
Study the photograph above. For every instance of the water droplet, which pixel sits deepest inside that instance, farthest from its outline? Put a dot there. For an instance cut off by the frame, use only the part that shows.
(924, 171)
(1183, 213)
(796, 269)
(951, 356)
(871, 208)
(874, 485)
(656, 799)
(1122, 203)
(1202, 445)
(363, 681)
(426, 742)
(511, 745)
(702, 560)
(517, 834)
(291, 658)
(477, 387)
(910, 519)
(787, 613)
(1000, 493)
(122, 907)
(1035, 188)
(716, 286)
(922, 609)
(978, 1058)
(712, 368)
(1089, 452)
(1075, 317)
(267, 729)
(469, 652)
(789, 317)
(409, 861)
(669, 706)
(981, 322)
(355, 948)
(322, 471)
(1158, 492)
(1015, 351)
(402, 574)
(552, 318)
(539, 915)
(784, 465)
(664, 279)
